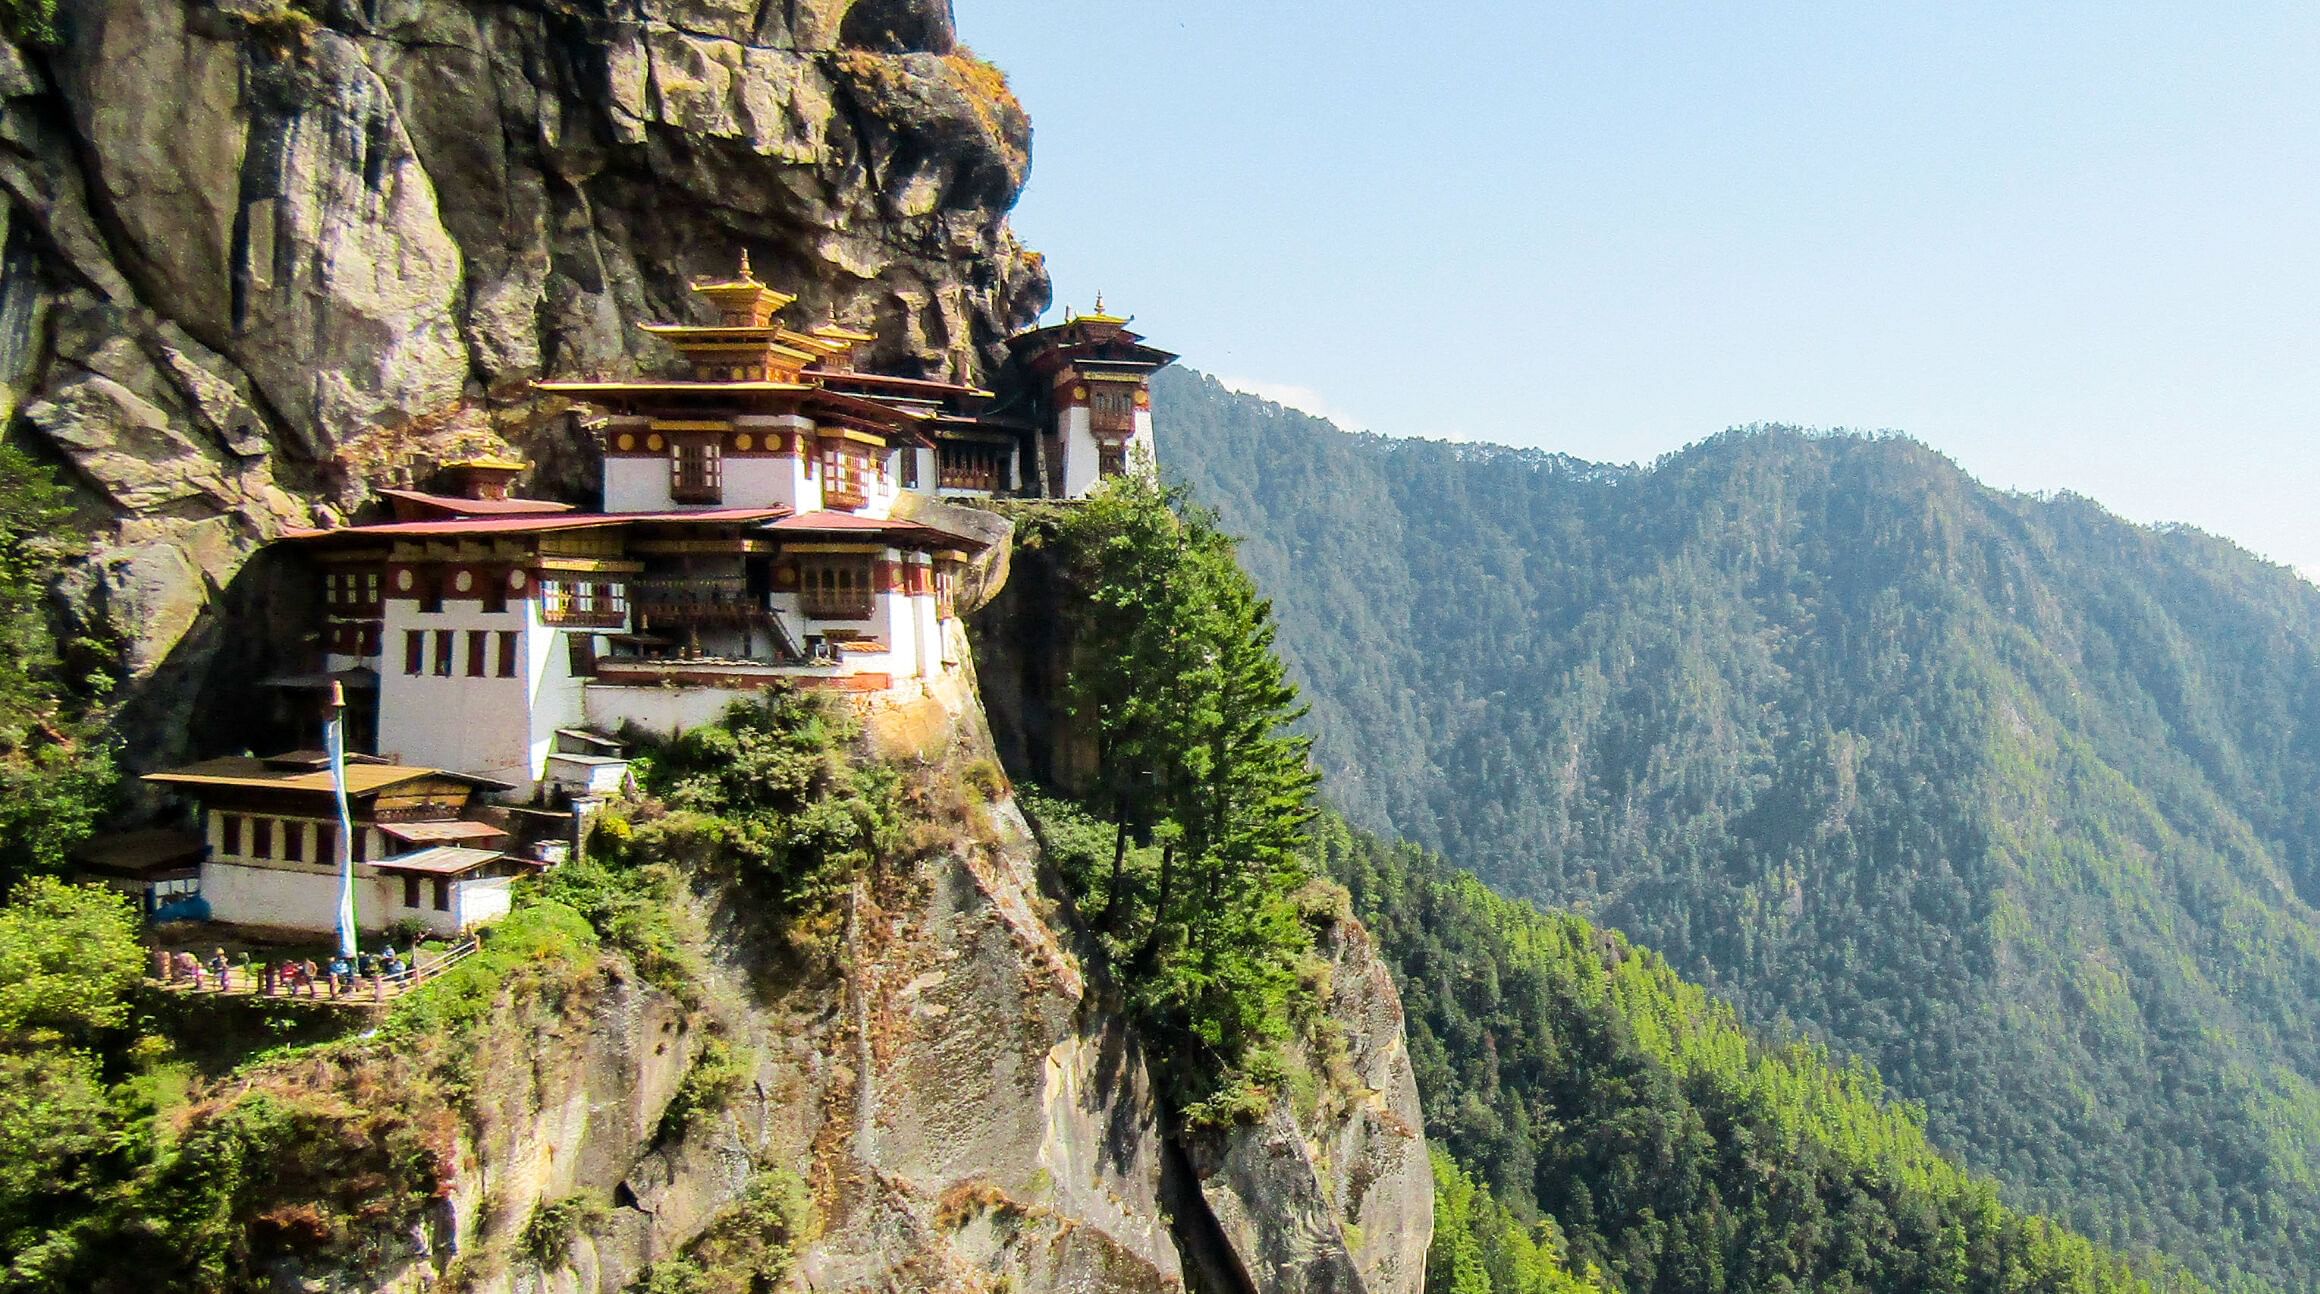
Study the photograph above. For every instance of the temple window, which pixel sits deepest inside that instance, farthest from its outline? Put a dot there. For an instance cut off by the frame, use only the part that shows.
(443, 652)
(972, 467)
(229, 833)
(293, 842)
(442, 894)
(696, 470)
(580, 654)
(1111, 460)
(507, 653)
(845, 475)
(261, 837)
(430, 591)
(325, 843)
(477, 643)
(836, 587)
(495, 593)
(414, 651)
(596, 603)
(1113, 411)
(410, 891)
(909, 469)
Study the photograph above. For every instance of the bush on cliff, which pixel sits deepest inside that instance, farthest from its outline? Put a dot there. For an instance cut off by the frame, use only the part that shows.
(769, 796)
(1203, 790)
(56, 761)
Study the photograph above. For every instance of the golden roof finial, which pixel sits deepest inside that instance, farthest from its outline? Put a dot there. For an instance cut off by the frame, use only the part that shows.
(745, 274)
(1099, 300)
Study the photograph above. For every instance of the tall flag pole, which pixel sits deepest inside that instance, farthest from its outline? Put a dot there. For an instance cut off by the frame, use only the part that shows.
(334, 741)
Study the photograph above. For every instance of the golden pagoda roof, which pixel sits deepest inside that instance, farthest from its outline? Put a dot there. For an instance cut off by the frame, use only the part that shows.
(836, 331)
(743, 294)
(771, 336)
(485, 463)
(1099, 316)
(668, 387)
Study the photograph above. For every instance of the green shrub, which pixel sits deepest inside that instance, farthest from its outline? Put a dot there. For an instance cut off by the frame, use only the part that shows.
(541, 937)
(634, 909)
(709, 1086)
(29, 22)
(548, 1234)
(750, 1248)
(985, 778)
(767, 795)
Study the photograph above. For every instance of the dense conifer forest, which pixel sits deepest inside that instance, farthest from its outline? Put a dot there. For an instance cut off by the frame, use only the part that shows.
(2010, 797)
(1618, 1119)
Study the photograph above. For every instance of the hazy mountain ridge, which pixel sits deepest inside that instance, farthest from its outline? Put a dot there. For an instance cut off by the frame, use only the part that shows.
(2006, 793)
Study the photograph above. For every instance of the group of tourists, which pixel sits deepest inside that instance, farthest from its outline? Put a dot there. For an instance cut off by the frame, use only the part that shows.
(287, 977)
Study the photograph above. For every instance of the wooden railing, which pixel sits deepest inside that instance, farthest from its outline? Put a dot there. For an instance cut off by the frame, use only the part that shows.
(255, 981)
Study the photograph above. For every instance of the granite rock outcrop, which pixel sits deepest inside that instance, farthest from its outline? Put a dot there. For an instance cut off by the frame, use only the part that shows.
(259, 257)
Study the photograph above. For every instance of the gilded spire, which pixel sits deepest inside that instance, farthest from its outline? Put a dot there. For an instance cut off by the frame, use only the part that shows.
(745, 276)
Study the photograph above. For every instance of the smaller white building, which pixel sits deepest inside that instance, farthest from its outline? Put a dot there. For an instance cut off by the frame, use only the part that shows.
(270, 832)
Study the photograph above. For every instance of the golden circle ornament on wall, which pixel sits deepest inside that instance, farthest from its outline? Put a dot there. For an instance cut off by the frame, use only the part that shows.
(745, 442)
(403, 579)
(1079, 393)
(653, 443)
(463, 581)
(627, 441)
(515, 579)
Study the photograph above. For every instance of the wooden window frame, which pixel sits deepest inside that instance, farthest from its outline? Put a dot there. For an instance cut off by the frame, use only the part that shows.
(972, 467)
(411, 893)
(443, 652)
(261, 838)
(838, 586)
(696, 468)
(230, 833)
(580, 655)
(507, 653)
(478, 649)
(414, 652)
(442, 893)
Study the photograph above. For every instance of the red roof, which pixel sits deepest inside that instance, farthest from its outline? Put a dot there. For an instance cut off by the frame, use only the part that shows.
(536, 524)
(705, 515)
(516, 525)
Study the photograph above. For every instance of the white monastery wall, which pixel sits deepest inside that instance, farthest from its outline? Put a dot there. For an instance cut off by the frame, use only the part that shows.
(558, 696)
(485, 725)
(1081, 459)
(663, 710)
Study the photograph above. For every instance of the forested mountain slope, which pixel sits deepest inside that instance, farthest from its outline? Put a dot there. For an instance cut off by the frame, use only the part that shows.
(1583, 1083)
(2013, 798)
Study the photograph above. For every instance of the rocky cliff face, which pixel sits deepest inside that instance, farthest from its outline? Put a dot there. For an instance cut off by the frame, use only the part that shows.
(965, 1108)
(259, 256)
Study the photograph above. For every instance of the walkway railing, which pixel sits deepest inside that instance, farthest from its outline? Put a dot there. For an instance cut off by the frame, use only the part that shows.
(270, 980)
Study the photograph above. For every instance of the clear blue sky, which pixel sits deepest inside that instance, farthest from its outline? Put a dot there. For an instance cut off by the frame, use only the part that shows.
(2072, 245)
